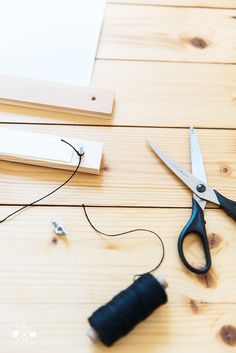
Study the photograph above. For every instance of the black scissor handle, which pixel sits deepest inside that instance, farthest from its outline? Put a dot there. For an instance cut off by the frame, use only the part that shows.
(229, 206)
(196, 225)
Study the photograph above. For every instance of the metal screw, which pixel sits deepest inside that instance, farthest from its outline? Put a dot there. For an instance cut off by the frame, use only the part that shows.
(81, 150)
(201, 188)
(58, 228)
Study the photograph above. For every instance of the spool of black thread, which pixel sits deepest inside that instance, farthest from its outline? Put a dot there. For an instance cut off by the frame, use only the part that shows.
(128, 308)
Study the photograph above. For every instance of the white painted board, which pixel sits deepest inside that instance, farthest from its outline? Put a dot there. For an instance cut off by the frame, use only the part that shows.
(49, 151)
(51, 40)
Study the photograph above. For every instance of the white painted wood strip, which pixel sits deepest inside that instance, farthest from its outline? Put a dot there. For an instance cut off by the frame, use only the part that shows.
(49, 151)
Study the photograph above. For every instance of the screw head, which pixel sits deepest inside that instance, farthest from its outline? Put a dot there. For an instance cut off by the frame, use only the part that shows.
(201, 188)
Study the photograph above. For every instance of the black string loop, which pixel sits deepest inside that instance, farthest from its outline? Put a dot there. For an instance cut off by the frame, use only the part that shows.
(53, 191)
(128, 232)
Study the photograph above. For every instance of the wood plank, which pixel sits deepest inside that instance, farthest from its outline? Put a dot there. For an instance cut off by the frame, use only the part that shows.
(130, 174)
(154, 94)
(33, 269)
(168, 34)
(52, 287)
(55, 96)
(186, 3)
(61, 328)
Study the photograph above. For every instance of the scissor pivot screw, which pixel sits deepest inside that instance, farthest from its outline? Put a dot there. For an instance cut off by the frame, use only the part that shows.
(201, 188)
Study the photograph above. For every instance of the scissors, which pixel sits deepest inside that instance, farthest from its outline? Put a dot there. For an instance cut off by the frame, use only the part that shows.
(196, 181)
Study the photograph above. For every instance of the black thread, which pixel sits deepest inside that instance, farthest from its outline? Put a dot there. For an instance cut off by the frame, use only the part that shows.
(128, 232)
(80, 155)
(52, 192)
(128, 308)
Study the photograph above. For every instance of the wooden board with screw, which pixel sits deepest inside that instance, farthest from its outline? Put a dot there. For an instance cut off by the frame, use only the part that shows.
(50, 151)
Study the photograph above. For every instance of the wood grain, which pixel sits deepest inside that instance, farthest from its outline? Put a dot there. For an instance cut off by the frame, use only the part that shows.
(61, 328)
(154, 94)
(33, 269)
(131, 175)
(52, 288)
(186, 3)
(168, 34)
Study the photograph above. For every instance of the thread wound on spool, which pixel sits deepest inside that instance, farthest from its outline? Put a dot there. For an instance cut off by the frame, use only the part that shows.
(131, 306)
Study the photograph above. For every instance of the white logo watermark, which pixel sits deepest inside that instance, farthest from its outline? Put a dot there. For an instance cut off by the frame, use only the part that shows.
(24, 334)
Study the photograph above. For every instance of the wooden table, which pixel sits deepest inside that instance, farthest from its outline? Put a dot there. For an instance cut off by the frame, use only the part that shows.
(171, 63)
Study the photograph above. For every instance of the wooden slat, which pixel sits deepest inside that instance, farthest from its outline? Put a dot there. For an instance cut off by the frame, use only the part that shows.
(55, 96)
(168, 33)
(154, 94)
(130, 174)
(35, 270)
(60, 328)
(186, 3)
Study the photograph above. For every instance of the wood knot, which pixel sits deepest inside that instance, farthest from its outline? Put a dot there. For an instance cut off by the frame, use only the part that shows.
(214, 240)
(209, 280)
(110, 246)
(198, 43)
(228, 335)
(225, 170)
(106, 168)
(193, 306)
(54, 240)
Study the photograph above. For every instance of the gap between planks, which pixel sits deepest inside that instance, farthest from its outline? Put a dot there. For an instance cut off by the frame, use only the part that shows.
(119, 126)
(108, 206)
(166, 5)
(166, 61)
(221, 4)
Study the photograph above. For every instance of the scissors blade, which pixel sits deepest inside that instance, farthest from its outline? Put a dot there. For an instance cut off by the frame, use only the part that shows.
(187, 178)
(198, 169)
